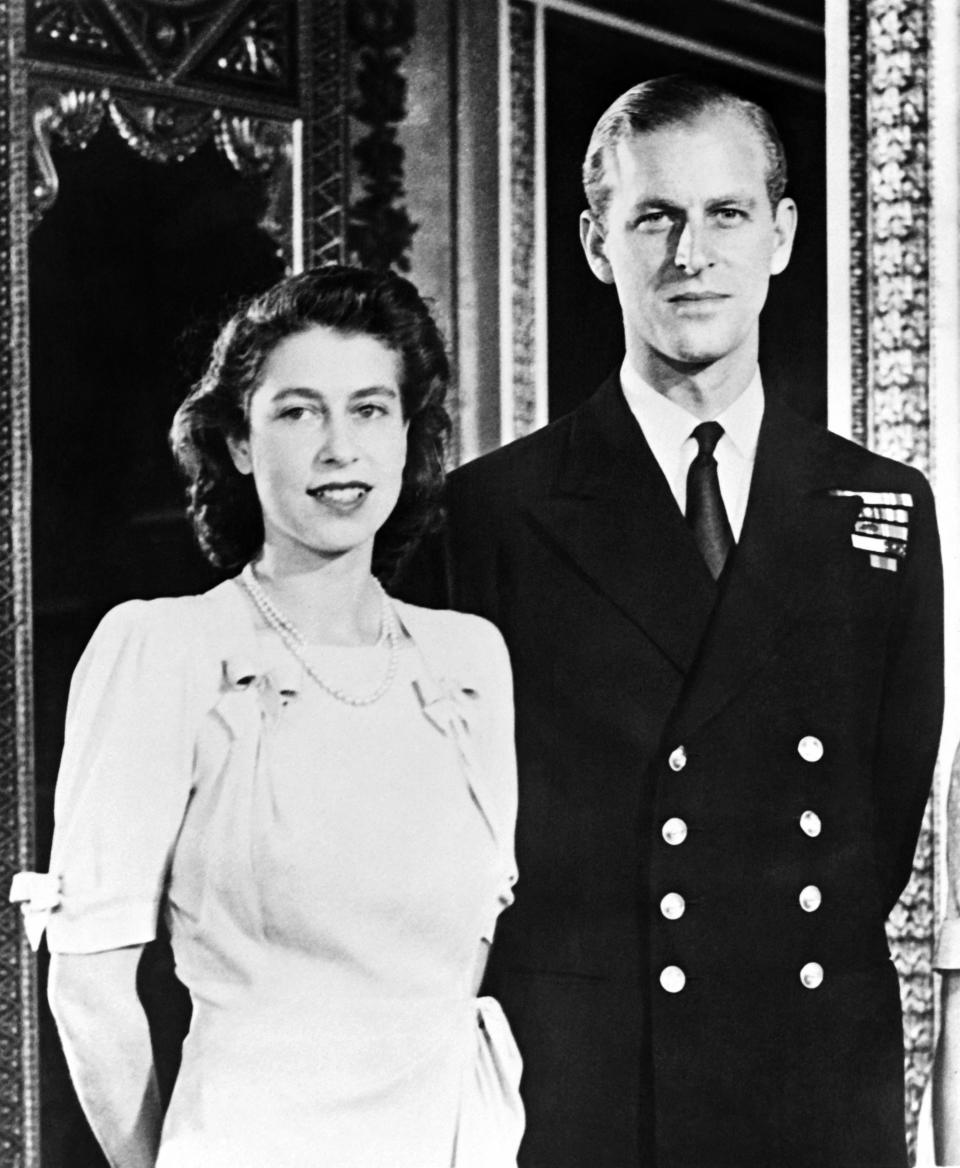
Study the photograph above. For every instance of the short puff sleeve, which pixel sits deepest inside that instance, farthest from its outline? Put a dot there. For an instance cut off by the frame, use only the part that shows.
(125, 775)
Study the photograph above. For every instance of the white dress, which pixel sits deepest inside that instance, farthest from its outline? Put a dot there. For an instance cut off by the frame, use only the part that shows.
(328, 874)
(947, 953)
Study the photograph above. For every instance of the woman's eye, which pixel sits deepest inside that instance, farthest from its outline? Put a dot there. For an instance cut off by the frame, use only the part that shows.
(371, 410)
(293, 413)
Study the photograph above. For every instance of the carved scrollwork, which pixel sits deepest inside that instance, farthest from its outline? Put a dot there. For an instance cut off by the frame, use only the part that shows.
(73, 116)
(265, 148)
(380, 230)
(162, 133)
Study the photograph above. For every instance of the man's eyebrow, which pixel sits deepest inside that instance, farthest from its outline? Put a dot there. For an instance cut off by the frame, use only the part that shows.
(654, 204)
(743, 198)
(740, 197)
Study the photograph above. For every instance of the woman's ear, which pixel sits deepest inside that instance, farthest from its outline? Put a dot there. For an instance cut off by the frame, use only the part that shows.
(240, 453)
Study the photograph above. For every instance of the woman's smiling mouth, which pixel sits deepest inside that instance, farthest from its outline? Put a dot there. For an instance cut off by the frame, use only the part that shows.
(341, 496)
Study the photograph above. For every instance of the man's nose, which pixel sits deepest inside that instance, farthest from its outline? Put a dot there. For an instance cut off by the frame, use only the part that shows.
(691, 253)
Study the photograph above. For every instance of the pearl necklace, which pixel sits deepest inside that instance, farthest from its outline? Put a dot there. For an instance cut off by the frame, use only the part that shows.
(296, 644)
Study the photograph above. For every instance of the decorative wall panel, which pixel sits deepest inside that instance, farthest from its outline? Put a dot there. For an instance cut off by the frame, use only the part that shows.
(524, 236)
(19, 1095)
(380, 231)
(890, 50)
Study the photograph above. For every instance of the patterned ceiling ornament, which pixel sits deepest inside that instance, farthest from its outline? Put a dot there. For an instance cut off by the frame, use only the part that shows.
(258, 50)
(72, 117)
(74, 23)
(380, 231)
(162, 133)
(167, 39)
(251, 44)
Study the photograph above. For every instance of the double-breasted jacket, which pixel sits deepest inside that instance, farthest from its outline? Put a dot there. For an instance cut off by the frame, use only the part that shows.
(721, 787)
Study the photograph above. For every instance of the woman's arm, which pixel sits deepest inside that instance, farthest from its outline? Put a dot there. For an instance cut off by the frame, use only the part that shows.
(946, 1075)
(106, 1041)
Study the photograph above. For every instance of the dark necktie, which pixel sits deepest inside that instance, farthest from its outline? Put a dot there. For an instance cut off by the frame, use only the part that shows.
(706, 514)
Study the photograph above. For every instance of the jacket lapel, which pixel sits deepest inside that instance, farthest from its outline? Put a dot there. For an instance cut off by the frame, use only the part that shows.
(778, 565)
(611, 512)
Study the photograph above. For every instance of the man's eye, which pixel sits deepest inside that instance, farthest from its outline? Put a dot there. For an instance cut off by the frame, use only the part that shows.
(731, 215)
(652, 220)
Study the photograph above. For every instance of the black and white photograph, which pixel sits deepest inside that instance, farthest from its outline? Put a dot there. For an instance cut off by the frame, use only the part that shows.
(480, 584)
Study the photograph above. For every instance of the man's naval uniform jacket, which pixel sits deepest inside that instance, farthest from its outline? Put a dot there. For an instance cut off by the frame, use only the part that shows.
(721, 788)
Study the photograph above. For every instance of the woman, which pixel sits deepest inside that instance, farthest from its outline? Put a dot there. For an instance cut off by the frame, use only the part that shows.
(313, 782)
(946, 1067)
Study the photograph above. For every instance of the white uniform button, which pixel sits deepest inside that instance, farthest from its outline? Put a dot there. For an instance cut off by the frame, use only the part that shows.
(673, 979)
(812, 975)
(810, 748)
(674, 831)
(810, 824)
(673, 906)
(811, 898)
(678, 759)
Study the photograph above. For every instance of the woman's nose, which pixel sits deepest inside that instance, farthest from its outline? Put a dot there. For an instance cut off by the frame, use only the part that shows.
(338, 446)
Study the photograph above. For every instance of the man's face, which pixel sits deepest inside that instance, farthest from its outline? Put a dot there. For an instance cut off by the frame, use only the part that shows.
(690, 241)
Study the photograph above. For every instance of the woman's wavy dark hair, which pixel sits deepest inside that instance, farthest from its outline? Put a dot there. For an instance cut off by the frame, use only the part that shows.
(222, 503)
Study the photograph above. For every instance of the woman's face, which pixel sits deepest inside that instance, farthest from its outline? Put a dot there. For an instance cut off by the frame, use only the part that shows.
(326, 444)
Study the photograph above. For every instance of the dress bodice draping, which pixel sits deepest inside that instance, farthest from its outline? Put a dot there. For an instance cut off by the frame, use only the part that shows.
(328, 882)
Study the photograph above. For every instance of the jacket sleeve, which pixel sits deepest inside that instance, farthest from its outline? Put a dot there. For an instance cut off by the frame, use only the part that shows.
(911, 713)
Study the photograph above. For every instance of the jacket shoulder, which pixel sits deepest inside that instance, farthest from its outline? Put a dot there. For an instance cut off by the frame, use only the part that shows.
(525, 462)
(853, 466)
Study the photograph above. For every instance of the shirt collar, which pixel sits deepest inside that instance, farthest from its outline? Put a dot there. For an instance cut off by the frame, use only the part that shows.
(666, 425)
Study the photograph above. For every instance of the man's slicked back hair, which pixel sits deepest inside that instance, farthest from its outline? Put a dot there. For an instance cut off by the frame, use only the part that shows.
(671, 101)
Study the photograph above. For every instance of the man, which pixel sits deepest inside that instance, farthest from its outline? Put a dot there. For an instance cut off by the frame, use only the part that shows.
(727, 651)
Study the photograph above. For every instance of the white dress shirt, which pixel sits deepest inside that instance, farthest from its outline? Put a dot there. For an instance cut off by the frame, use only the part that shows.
(668, 429)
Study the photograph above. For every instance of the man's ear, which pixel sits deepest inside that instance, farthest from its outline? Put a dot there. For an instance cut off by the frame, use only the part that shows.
(785, 228)
(594, 244)
(240, 453)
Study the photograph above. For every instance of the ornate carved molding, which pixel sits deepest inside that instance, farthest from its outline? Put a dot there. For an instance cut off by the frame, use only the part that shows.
(163, 134)
(74, 117)
(324, 58)
(898, 206)
(890, 291)
(19, 1082)
(523, 211)
(380, 231)
(247, 45)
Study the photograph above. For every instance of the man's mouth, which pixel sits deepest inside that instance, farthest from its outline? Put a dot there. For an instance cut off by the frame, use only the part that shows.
(696, 297)
(340, 494)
